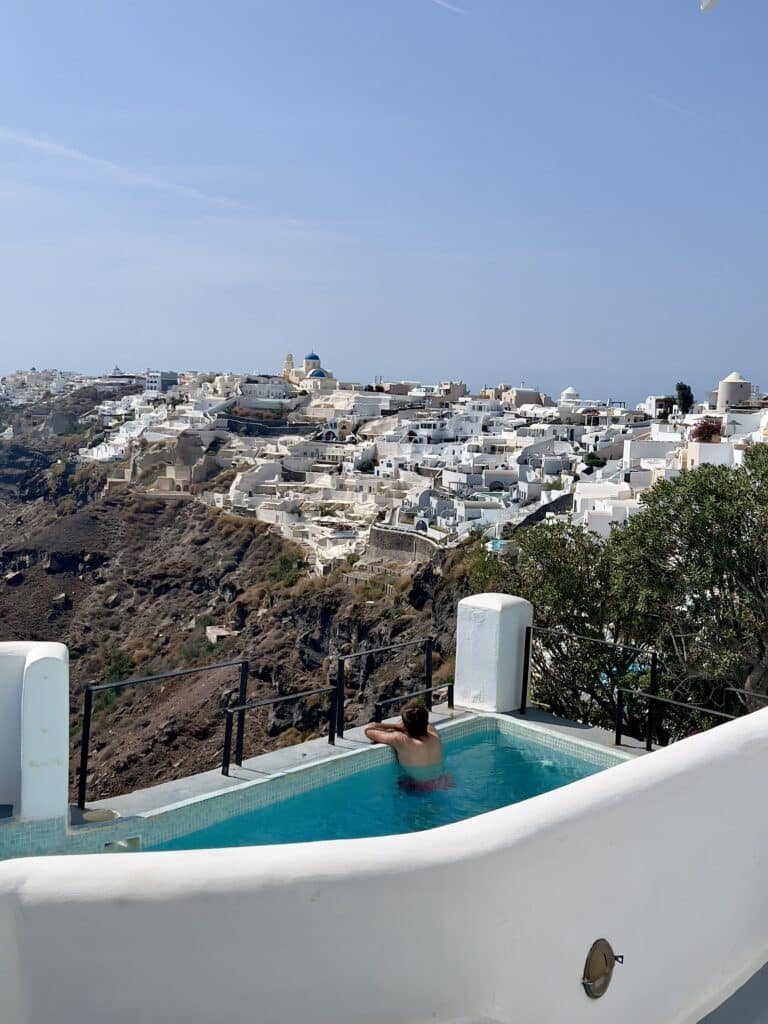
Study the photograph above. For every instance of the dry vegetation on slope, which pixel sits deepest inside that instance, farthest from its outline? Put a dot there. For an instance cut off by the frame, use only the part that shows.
(143, 576)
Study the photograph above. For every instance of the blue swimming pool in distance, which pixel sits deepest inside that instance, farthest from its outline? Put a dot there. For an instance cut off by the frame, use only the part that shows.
(489, 770)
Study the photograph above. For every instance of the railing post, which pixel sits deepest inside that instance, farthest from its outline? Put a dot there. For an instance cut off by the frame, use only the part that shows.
(428, 671)
(340, 698)
(85, 742)
(450, 696)
(619, 715)
(242, 699)
(332, 720)
(378, 712)
(654, 687)
(526, 670)
(225, 759)
(649, 723)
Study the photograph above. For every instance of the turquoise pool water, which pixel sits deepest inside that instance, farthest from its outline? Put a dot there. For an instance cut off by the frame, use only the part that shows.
(488, 770)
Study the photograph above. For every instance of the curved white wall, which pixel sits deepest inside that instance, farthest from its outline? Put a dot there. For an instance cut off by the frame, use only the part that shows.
(664, 856)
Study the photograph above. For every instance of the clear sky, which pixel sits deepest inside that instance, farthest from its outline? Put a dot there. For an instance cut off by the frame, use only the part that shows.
(560, 191)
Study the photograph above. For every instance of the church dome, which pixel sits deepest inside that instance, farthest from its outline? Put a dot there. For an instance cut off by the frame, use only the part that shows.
(318, 373)
(569, 394)
(313, 357)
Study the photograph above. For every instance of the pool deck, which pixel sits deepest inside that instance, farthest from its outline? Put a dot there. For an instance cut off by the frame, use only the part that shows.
(577, 731)
(144, 801)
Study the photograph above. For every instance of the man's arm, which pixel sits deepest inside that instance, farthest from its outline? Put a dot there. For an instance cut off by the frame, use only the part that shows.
(377, 732)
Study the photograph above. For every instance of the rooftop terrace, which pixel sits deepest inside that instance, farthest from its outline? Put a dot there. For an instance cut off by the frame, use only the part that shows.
(498, 910)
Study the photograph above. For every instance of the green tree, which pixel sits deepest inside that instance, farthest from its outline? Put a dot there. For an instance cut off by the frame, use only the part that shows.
(684, 397)
(686, 577)
(666, 407)
(577, 655)
(690, 573)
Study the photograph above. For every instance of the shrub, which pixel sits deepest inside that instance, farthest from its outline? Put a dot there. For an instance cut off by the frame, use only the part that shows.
(308, 584)
(286, 568)
(118, 665)
(706, 430)
(196, 649)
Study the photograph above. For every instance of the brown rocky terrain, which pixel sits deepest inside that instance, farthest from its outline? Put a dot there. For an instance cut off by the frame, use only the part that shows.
(129, 581)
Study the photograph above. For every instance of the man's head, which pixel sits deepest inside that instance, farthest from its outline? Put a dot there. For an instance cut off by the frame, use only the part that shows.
(415, 719)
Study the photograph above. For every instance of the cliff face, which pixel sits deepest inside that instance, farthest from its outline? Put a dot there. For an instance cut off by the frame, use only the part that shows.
(130, 582)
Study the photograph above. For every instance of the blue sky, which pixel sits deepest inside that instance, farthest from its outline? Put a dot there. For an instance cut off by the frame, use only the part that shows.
(560, 191)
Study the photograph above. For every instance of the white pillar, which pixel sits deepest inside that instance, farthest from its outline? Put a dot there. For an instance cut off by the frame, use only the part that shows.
(45, 733)
(490, 640)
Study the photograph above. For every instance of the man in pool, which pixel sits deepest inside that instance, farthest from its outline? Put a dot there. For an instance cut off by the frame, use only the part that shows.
(418, 748)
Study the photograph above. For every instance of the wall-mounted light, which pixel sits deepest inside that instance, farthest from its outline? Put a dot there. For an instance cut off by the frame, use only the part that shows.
(598, 969)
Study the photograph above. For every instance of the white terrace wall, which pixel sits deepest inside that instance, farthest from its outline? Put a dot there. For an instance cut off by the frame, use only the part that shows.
(489, 918)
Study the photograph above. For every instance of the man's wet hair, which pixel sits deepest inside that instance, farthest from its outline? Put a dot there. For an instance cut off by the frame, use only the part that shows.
(415, 719)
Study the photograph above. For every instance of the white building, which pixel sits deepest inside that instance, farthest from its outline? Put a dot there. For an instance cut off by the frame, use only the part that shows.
(733, 390)
(161, 381)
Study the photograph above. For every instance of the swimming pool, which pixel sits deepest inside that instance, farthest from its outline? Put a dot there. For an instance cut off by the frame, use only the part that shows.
(490, 770)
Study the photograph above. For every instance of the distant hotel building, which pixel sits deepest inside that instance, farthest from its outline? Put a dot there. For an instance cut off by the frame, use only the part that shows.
(161, 381)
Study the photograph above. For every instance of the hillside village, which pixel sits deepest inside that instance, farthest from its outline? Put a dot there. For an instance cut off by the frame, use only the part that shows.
(366, 477)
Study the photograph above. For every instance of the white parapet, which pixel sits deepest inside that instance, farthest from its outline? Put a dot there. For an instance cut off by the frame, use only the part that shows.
(490, 918)
(490, 641)
(34, 729)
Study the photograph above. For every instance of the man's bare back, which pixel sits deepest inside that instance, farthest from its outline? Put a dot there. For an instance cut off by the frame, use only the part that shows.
(418, 748)
(421, 752)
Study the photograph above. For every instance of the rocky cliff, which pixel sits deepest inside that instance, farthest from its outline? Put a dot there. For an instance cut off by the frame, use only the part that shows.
(130, 582)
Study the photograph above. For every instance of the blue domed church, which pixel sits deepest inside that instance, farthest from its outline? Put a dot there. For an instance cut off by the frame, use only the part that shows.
(311, 376)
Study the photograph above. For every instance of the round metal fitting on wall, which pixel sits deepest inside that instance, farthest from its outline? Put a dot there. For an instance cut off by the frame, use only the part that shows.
(598, 969)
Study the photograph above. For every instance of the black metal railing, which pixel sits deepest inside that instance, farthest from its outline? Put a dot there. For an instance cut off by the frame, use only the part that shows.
(653, 685)
(122, 684)
(241, 709)
(378, 711)
(588, 639)
(747, 694)
(651, 714)
(526, 670)
(427, 643)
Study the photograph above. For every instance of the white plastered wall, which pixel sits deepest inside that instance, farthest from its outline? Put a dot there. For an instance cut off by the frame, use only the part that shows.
(491, 917)
(490, 640)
